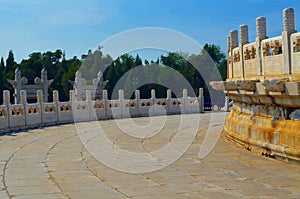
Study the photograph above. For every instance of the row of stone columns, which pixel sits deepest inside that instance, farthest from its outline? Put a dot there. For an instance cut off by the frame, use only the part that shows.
(261, 34)
(40, 95)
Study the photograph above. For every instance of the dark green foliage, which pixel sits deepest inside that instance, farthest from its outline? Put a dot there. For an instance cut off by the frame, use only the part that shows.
(62, 70)
(58, 68)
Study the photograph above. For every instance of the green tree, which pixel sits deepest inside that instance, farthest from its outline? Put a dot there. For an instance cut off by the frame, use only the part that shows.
(2, 65)
(10, 62)
(215, 52)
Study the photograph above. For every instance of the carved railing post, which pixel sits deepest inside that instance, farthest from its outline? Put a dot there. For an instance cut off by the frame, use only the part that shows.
(169, 100)
(233, 44)
(121, 101)
(88, 99)
(153, 97)
(289, 28)
(6, 101)
(23, 101)
(201, 98)
(243, 40)
(106, 103)
(229, 60)
(40, 100)
(137, 101)
(6, 97)
(184, 100)
(23, 97)
(71, 95)
(56, 101)
(261, 34)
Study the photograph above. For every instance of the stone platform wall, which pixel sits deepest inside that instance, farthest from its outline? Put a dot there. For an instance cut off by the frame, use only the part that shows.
(24, 115)
(264, 84)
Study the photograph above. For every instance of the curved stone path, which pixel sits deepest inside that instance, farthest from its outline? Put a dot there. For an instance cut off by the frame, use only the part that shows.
(53, 163)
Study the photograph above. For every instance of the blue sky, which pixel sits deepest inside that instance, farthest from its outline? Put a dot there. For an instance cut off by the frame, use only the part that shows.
(75, 26)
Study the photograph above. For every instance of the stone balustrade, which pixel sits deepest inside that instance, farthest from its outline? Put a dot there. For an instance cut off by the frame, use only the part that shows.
(265, 58)
(25, 115)
(263, 83)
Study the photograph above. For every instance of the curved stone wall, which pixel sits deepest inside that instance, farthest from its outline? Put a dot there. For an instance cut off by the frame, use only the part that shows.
(264, 85)
(262, 133)
(24, 115)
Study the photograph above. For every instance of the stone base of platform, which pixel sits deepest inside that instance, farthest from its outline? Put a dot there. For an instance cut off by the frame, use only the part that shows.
(274, 138)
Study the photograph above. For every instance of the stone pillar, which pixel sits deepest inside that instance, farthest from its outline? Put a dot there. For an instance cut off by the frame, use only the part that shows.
(71, 95)
(40, 96)
(105, 99)
(234, 39)
(121, 95)
(104, 95)
(184, 100)
(137, 94)
(184, 93)
(201, 98)
(153, 94)
(18, 85)
(137, 99)
(169, 94)
(6, 102)
(23, 96)
(55, 96)
(261, 28)
(6, 97)
(288, 29)
(288, 20)
(88, 95)
(40, 101)
(261, 34)
(56, 101)
(228, 44)
(88, 99)
(226, 105)
(244, 39)
(121, 101)
(229, 61)
(233, 44)
(44, 79)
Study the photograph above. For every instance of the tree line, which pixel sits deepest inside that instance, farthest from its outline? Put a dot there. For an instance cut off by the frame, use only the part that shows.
(62, 70)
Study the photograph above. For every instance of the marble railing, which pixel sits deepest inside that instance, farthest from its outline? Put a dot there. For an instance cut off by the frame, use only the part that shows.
(25, 115)
(265, 58)
(264, 85)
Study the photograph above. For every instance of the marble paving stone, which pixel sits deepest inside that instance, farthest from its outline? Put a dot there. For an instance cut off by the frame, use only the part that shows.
(53, 163)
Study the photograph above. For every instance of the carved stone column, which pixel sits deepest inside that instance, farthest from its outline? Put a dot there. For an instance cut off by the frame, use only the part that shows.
(233, 44)
(243, 40)
(261, 34)
(288, 29)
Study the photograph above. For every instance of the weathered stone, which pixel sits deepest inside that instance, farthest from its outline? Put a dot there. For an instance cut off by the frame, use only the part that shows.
(247, 85)
(231, 86)
(218, 85)
(53, 163)
(234, 39)
(295, 115)
(261, 28)
(275, 85)
(244, 34)
(265, 115)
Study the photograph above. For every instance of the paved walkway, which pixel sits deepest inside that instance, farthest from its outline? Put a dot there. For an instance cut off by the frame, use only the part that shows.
(52, 163)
